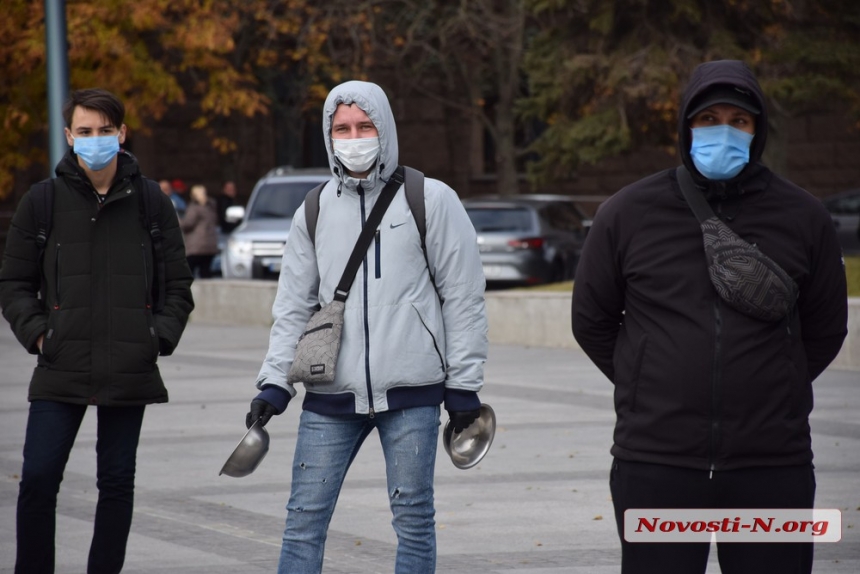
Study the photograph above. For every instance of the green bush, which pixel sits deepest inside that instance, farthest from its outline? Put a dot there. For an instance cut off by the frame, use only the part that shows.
(852, 272)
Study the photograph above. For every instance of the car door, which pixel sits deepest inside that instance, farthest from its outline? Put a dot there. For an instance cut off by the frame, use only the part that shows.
(566, 233)
(845, 211)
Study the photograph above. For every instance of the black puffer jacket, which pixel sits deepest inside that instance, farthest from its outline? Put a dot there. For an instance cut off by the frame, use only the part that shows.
(101, 336)
(697, 384)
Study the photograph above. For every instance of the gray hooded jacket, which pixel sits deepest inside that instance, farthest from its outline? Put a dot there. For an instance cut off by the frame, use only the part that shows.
(401, 346)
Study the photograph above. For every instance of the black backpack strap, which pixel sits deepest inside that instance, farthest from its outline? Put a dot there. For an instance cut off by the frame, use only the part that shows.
(415, 199)
(312, 211)
(149, 199)
(42, 198)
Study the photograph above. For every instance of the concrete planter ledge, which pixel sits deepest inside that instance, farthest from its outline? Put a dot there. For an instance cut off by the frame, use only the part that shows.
(533, 318)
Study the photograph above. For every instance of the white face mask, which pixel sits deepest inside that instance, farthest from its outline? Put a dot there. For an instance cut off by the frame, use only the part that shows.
(356, 155)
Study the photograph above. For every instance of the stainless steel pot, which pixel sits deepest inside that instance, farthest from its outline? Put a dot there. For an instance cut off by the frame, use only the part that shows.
(249, 453)
(467, 448)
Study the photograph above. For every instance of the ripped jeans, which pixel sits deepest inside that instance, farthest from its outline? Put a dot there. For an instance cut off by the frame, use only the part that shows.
(326, 447)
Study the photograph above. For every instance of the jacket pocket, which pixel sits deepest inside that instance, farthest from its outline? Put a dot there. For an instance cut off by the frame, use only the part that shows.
(637, 369)
(146, 291)
(152, 331)
(50, 340)
(432, 337)
(378, 250)
(153, 335)
(57, 279)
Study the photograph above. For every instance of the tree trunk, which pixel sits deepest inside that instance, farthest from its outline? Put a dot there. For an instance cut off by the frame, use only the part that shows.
(508, 61)
(507, 180)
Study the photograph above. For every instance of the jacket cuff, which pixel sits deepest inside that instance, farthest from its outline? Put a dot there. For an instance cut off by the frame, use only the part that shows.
(275, 396)
(165, 347)
(457, 400)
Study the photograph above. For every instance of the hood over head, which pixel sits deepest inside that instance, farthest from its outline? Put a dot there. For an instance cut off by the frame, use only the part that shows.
(730, 82)
(373, 101)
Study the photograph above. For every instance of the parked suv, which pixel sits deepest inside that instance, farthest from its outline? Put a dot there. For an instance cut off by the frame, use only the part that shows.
(528, 239)
(844, 208)
(255, 248)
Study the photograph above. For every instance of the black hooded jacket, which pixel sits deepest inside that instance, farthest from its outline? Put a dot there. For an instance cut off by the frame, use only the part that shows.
(101, 335)
(698, 384)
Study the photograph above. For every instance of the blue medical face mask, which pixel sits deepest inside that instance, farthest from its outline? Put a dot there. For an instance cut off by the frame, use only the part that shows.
(720, 152)
(97, 151)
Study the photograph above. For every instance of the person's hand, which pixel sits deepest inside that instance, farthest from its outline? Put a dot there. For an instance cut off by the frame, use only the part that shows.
(262, 410)
(39, 342)
(461, 420)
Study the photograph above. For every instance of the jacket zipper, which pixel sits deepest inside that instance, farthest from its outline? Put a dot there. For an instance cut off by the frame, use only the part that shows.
(717, 373)
(378, 256)
(147, 294)
(366, 321)
(145, 275)
(315, 329)
(57, 270)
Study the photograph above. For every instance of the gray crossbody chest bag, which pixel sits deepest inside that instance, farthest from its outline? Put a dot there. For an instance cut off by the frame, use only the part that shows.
(745, 278)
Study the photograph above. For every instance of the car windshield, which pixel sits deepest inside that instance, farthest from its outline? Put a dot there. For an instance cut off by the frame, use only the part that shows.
(487, 219)
(844, 205)
(280, 200)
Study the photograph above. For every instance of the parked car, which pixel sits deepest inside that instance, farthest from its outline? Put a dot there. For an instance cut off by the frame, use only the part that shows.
(528, 239)
(255, 248)
(844, 208)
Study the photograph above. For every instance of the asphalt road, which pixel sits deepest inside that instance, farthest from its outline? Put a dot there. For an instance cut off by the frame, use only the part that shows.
(538, 503)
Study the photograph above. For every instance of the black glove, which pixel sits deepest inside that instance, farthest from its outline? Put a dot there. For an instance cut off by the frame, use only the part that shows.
(461, 420)
(262, 410)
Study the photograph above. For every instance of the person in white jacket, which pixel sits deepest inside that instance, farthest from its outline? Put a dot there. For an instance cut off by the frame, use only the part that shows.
(403, 352)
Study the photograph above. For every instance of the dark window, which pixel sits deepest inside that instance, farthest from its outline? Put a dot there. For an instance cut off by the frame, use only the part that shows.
(501, 219)
(562, 216)
(280, 200)
(849, 204)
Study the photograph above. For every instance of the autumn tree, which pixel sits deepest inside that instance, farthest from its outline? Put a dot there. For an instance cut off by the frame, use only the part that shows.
(295, 50)
(605, 76)
(466, 55)
(232, 58)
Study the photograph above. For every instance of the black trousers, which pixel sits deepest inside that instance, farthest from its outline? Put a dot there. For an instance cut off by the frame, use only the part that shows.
(201, 265)
(51, 431)
(643, 485)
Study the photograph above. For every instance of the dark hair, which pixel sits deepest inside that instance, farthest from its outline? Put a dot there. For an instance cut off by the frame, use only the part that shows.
(98, 100)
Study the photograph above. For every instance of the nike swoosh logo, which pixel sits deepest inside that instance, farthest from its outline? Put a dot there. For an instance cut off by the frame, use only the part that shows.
(398, 225)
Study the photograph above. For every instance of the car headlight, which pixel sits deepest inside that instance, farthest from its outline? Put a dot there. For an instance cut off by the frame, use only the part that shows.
(238, 248)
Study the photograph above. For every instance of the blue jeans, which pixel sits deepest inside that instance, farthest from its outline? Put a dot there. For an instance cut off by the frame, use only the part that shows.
(51, 431)
(326, 447)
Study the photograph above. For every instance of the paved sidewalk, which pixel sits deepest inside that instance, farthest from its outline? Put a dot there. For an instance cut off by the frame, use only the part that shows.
(538, 504)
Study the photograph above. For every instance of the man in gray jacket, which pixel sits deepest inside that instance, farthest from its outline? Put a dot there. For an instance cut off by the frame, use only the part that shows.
(403, 352)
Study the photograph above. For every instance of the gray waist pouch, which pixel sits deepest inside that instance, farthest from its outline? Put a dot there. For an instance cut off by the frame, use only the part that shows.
(318, 347)
(745, 278)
